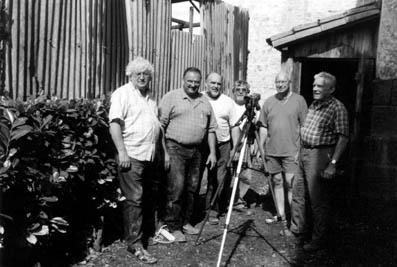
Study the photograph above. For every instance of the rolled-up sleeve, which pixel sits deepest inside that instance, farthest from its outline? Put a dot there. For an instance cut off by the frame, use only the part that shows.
(164, 112)
(116, 110)
(342, 121)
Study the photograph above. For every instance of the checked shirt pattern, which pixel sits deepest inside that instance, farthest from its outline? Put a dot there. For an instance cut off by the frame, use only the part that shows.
(324, 122)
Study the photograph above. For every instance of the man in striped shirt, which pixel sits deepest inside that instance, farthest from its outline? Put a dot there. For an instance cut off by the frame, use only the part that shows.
(324, 138)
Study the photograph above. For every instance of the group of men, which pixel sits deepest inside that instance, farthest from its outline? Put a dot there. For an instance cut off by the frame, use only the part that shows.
(192, 130)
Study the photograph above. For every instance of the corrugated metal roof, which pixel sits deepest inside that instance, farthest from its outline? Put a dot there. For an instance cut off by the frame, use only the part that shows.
(348, 18)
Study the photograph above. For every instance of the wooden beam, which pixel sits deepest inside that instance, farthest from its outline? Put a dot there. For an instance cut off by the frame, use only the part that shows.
(179, 21)
(195, 7)
(180, 26)
(179, 1)
(191, 14)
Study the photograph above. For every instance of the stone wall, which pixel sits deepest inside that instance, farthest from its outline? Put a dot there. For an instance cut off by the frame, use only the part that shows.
(386, 65)
(271, 17)
(377, 155)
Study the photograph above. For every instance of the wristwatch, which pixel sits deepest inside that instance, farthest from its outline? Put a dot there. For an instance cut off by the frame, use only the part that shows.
(333, 161)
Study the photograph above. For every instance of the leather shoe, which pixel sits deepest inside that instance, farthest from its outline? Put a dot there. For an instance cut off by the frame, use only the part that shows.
(179, 236)
(190, 230)
(213, 220)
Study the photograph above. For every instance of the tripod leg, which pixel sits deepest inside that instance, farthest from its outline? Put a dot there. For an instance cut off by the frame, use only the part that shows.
(267, 174)
(207, 213)
(229, 212)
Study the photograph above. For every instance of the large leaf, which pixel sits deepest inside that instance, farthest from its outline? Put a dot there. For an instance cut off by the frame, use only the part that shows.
(19, 121)
(46, 121)
(4, 136)
(20, 132)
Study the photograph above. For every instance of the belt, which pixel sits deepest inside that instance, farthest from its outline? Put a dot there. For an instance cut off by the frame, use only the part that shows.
(183, 145)
(307, 146)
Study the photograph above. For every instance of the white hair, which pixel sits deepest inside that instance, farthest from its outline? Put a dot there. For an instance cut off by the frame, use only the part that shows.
(138, 65)
(330, 79)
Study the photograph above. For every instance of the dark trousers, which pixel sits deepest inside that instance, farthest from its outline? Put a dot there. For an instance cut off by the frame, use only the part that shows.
(298, 204)
(216, 177)
(313, 162)
(182, 182)
(139, 185)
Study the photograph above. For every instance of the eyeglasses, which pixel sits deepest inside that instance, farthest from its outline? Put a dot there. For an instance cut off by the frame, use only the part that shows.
(145, 74)
(282, 82)
(241, 90)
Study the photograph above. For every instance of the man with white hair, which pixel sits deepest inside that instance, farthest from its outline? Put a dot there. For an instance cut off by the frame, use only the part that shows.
(135, 131)
(281, 118)
(324, 138)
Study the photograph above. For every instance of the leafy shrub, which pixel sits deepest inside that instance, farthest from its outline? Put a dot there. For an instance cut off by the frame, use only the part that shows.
(57, 175)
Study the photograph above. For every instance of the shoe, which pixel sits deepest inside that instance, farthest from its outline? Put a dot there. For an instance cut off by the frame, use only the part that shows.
(313, 246)
(179, 236)
(285, 231)
(190, 230)
(142, 255)
(163, 236)
(213, 220)
(249, 212)
(240, 205)
(272, 220)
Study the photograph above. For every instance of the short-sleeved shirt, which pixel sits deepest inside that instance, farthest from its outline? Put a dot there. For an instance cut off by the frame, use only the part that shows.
(140, 128)
(225, 115)
(324, 122)
(186, 120)
(283, 120)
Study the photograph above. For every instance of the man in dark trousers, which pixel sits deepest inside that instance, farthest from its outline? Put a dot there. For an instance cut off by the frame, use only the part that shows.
(324, 138)
(187, 118)
(135, 131)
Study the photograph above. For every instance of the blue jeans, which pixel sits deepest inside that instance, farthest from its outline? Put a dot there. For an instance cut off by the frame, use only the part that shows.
(217, 176)
(312, 162)
(139, 185)
(182, 182)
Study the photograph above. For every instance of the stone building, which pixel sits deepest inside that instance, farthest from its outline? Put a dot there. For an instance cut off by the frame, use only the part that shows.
(274, 16)
(359, 47)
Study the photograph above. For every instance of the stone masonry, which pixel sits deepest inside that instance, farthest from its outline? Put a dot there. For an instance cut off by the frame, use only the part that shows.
(271, 17)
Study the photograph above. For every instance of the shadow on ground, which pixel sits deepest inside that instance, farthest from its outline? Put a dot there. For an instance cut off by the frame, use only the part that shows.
(363, 236)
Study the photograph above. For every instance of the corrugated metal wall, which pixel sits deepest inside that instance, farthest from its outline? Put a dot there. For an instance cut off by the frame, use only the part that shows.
(79, 48)
(71, 49)
(149, 25)
(187, 51)
(225, 28)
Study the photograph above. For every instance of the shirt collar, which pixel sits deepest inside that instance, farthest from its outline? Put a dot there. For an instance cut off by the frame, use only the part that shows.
(185, 96)
(320, 104)
(147, 97)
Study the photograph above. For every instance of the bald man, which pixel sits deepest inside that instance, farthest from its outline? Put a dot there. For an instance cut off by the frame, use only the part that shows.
(226, 116)
(281, 118)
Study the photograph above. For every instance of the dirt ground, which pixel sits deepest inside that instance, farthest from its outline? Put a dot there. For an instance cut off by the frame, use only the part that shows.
(365, 235)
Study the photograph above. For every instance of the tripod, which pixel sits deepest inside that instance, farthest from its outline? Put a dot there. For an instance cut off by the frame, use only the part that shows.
(247, 138)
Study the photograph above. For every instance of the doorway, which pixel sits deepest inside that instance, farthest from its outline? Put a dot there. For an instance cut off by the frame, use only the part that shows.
(346, 88)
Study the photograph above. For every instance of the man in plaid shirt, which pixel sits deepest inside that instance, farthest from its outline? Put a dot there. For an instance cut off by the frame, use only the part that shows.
(324, 137)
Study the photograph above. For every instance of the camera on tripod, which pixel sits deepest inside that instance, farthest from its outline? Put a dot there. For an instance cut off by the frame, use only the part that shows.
(252, 104)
